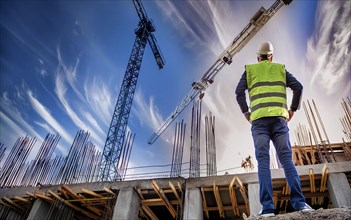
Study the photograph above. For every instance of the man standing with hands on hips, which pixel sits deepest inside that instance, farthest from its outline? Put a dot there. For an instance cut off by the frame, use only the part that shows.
(266, 83)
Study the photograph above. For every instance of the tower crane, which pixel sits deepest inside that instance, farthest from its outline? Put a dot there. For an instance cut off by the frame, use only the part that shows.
(260, 18)
(108, 167)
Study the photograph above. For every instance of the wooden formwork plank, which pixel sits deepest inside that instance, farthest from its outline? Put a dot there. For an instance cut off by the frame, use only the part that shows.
(109, 191)
(180, 187)
(11, 204)
(176, 194)
(323, 185)
(204, 203)
(70, 191)
(218, 200)
(306, 157)
(285, 193)
(237, 182)
(149, 212)
(22, 199)
(155, 202)
(312, 185)
(42, 196)
(233, 197)
(78, 209)
(11, 207)
(144, 208)
(30, 194)
(91, 193)
(81, 199)
(166, 202)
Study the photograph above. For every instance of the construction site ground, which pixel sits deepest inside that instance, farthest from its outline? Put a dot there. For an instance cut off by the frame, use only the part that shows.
(335, 214)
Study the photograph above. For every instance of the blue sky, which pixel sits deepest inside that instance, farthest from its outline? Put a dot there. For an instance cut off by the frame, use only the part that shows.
(62, 64)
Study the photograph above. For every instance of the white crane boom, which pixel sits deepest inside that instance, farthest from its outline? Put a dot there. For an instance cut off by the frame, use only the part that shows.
(260, 18)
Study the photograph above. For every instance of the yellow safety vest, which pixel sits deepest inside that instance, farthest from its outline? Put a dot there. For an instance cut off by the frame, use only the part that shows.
(266, 83)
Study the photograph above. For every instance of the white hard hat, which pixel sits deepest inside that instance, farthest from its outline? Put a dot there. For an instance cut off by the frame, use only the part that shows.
(266, 48)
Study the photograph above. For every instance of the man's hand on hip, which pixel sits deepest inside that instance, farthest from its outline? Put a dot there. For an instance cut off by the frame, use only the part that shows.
(291, 114)
(247, 116)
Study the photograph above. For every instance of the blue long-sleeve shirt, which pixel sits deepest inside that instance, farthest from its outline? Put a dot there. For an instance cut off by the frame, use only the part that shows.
(291, 82)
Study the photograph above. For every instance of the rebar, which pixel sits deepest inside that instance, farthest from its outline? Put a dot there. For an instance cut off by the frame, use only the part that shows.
(14, 164)
(194, 169)
(178, 146)
(346, 119)
(210, 145)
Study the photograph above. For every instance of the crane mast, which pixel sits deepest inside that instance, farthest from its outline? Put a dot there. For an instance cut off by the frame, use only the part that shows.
(260, 18)
(108, 169)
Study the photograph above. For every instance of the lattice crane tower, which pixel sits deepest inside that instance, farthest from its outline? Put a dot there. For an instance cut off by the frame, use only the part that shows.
(108, 170)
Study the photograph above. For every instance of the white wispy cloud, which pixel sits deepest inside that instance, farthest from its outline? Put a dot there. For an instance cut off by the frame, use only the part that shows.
(146, 111)
(93, 122)
(10, 108)
(60, 91)
(44, 113)
(18, 131)
(99, 99)
(329, 48)
(70, 73)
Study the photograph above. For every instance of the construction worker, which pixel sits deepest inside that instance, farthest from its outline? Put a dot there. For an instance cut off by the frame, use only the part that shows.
(266, 83)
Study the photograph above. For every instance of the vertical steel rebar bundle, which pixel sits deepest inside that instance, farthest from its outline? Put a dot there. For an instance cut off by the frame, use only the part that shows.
(2, 153)
(321, 139)
(125, 154)
(210, 145)
(178, 146)
(69, 172)
(346, 119)
(36, 169)
(80, 165)
(14, 165)
(194, 170)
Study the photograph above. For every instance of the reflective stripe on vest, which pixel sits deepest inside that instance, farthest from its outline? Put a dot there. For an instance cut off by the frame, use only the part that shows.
(266, 83)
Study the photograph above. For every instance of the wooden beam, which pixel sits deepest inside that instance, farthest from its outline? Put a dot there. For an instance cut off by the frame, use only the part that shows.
(42, 196)
(176, 194)
(237, 182)
(12, 203)
(149, 212)
(109, 191)
(155, 202)
(91, 193)
(323, 186)
(22, 199)
(218, 200)
(78, 209)
(81, 199)
(204, 202)
(312, 185)
(233, 197)
(146, 209)
(161, 194)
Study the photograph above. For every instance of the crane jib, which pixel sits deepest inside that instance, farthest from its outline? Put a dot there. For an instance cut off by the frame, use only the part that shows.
(260, 18)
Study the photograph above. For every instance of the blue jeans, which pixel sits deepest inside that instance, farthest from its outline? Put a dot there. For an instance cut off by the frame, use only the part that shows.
(275, 129)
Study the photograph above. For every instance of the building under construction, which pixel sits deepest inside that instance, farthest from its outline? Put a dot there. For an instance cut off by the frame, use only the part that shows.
(88, 184)
(67, 187)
